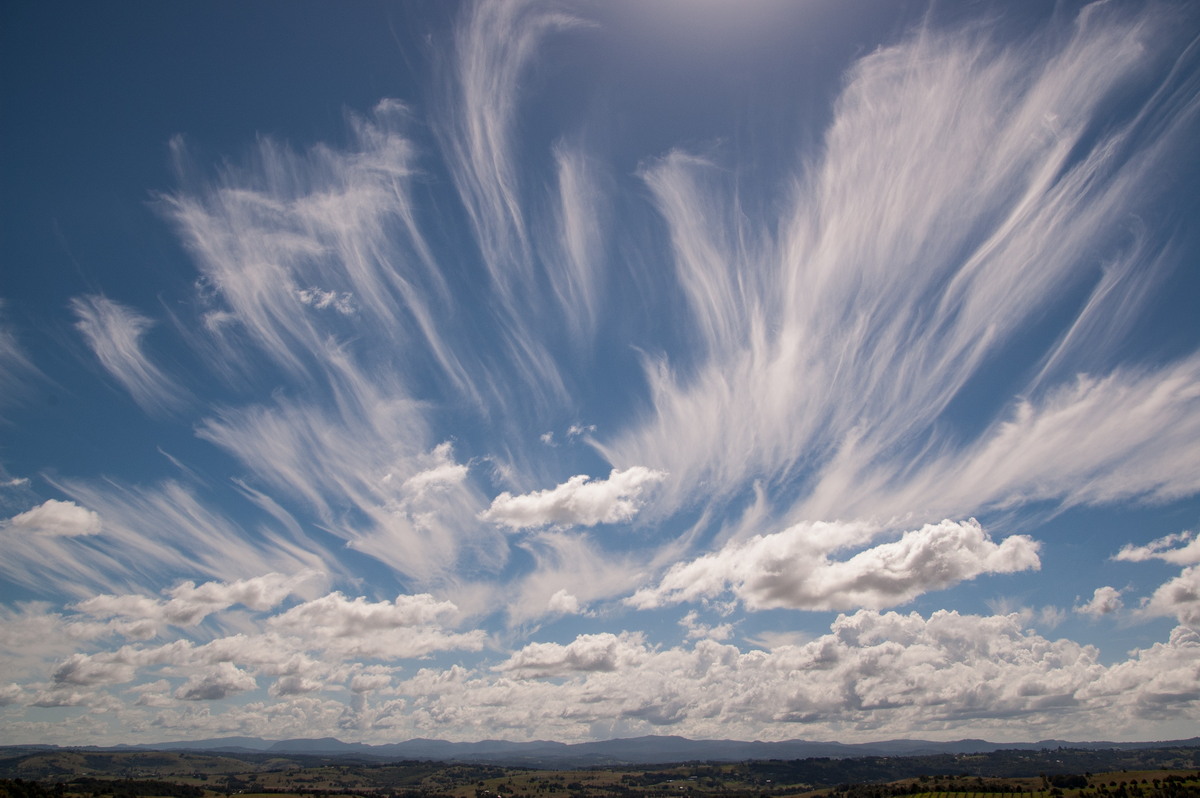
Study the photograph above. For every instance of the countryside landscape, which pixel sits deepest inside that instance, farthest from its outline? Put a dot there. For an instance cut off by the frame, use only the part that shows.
(1162, 770)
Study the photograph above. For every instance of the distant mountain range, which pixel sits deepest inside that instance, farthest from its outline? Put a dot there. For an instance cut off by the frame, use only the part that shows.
(631, 751)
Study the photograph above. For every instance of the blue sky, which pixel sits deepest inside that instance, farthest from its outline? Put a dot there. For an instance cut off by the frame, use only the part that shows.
(572, 371)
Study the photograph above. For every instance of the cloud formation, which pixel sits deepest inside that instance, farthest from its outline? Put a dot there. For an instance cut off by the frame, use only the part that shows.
(796, 356)
(54, 518)
(576, 502)
(792, 568)
(114, 332)
(1105, 601)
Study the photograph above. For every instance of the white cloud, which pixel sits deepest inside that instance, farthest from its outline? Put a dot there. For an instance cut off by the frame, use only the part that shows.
(1182, 549)
(335, 615)
(54, 518)
(11, 694)
(563, 603)
(409, 626)
(86, 671)
(872, 675)
(190, 604)
(221, 681)
(149, 531)
(792, 568)
(115, 332)
(1105, 601)
(702, 631)
(576, 502)
(314, 297)
(440, 472)
(584, 654)
(1179, 596)
(831, 340)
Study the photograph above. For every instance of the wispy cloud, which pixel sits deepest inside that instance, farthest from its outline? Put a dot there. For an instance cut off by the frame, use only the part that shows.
(114, 332)
(962, 190)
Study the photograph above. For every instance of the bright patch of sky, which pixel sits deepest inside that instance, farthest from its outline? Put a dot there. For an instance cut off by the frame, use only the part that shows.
(532, 370)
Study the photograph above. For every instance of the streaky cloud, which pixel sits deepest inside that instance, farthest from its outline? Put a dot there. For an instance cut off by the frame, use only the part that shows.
(964, 188)
(114, 332)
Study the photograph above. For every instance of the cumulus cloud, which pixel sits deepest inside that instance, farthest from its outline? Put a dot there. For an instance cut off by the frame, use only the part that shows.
(563, 603)
(221, 681)
(1181, 549)
(792, 568)
(1105, 601)
(577, 502)
(872, 674)
(1179, 597)
(10, 694)
(87, 671)
(54, 518)
(440, 472)
(586, 653)
(190, 604)
(409, 626)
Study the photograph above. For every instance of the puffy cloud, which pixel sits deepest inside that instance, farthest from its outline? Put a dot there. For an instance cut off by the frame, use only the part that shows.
(1179, 597)
(577, 502)
(221, 681)
(54, 518)
(11, 694)
(190, 604)
(792, 568)
(1105, 601)
(409, 626)
(563, 603)
(1182, 549)
(335, 615)
(1164, 678)
(586, 653)
(872, 675)
(440, 472)
(87, 671)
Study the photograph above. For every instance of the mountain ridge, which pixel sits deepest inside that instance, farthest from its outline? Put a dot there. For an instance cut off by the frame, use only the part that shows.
(648, 749)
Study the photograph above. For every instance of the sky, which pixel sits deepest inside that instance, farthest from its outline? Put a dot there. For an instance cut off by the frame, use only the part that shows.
(821, 369)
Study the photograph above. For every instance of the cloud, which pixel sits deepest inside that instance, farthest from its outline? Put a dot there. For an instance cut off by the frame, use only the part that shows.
(149, 531)
(88, 671)
(1105, 601)
(792, 568)
(54, 518)
(872, 674)
(221, 681)
(189, 604)
(563, 603)
(441, 472)
(1179, 596)
(314, 297)
(586, 653)
(1186, 551)
(832, 340)
(114, 332)
(409, 626)
(576, 502)
(11, 694)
